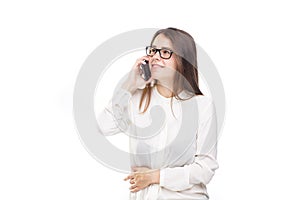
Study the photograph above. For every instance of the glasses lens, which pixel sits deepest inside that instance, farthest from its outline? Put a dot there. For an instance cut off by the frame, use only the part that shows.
(150, 51)
(165, 53)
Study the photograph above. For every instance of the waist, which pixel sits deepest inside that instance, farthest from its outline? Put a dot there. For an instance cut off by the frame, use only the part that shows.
(198, 192)
(155, 192)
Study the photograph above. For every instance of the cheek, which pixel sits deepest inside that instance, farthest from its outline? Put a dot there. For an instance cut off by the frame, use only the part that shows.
(171, 64)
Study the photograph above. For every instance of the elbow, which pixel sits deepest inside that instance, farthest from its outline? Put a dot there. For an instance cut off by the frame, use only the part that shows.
(202, 173)
(208, 176)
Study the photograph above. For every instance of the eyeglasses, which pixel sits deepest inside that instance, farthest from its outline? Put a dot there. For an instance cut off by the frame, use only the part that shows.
(163, 53)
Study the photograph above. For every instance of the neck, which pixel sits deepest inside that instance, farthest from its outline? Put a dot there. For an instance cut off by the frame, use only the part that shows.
(166, 92)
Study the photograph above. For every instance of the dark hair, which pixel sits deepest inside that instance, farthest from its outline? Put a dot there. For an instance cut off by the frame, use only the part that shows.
(186, 64)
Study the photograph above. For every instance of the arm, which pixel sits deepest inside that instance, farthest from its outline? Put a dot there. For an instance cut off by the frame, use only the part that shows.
(204, 165)
(114, 117)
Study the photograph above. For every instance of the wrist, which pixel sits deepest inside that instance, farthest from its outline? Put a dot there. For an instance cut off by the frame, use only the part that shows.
(155, 177)
(128, 87)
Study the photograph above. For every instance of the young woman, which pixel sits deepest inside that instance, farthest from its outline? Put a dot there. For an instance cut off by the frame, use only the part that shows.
(169, 159)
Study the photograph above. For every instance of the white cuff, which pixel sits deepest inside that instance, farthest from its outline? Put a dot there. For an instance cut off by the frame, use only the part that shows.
(175, 179)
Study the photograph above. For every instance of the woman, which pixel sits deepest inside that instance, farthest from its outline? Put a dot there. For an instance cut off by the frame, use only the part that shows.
(169, 160)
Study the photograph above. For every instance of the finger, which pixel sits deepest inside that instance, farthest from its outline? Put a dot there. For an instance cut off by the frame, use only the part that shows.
(130, 176)
(139, 61)
(150, 80)
(135, 189)
(145, 58)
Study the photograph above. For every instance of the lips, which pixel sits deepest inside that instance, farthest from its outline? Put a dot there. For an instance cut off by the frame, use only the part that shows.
(156, 65)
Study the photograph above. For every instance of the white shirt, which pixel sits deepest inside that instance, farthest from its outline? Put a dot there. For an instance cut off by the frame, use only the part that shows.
(185, 156)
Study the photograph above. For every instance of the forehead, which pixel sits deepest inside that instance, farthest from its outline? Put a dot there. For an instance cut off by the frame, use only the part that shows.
(162, 41)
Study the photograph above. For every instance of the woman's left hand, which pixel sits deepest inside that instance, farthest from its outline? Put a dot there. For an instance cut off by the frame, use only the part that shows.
(142, 177)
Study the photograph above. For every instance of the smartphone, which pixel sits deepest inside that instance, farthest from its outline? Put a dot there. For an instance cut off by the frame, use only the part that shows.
(146, 73)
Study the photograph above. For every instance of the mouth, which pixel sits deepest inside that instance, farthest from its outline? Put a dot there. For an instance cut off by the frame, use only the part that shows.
(156, 65)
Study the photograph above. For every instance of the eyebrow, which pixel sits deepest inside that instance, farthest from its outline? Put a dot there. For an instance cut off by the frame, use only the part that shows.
(162, 47)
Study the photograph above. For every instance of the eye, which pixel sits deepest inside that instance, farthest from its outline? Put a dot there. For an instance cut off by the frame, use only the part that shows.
(152, 50)
(166, 51)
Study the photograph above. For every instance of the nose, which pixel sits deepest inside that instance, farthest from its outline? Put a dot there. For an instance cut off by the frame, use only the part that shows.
(156, 56)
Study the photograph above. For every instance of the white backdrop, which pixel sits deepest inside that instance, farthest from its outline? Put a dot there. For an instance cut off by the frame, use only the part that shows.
(255, 46)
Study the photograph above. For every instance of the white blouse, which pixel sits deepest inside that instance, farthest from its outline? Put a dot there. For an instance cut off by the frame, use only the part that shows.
(185, 156)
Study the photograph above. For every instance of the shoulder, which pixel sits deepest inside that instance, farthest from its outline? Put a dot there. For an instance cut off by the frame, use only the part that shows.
(205, 105)
(204, 101)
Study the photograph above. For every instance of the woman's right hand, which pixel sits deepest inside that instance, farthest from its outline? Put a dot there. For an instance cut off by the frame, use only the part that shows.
(134, 80)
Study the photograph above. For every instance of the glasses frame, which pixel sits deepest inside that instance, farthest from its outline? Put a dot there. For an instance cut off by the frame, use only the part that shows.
(158, 50)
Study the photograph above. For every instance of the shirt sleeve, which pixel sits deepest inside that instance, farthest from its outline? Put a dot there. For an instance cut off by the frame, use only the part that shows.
(114, 118)
(203, 168)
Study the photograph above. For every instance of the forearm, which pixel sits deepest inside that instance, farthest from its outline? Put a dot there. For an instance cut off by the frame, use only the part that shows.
(185, 177)
(129, 87)
(114, 118)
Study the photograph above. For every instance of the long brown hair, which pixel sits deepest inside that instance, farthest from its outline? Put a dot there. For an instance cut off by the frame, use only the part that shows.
(186, 64)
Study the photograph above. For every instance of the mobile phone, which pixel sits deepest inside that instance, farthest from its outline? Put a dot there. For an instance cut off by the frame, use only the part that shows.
(146, 73)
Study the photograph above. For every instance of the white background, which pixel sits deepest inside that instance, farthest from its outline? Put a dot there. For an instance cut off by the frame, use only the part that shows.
(255, 46)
